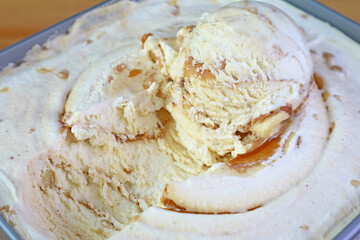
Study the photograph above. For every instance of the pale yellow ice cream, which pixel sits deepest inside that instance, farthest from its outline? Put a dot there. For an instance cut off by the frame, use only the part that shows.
(183, 120)
(238, 75)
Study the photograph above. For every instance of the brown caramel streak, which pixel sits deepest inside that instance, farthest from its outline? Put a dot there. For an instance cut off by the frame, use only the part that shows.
(304, 227)
(92, 209)
(196, 69)
(328, 57)
(63, 74)
(164, 116)
(298, 141)
(119, 68)
(145, 37)
(257, 156)
(6, 209)
(128, 170)
(170, 205)
(63, 129)
(319, 81)
(223, 64)
(325, 95)
(189, 28)
(44, 70)
(139, 137)
(134, 73)
(211, 126)
(251, 9)
(262, 118)
(3, 90)
(354, 183)
(287, 108)
(242, 135)
(257, 143)
(303, 15)
(83, 203)
(336, 68)
(331, 129)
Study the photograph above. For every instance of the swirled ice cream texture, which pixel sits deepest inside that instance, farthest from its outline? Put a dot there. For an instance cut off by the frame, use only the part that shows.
(125, 147)
(238, 75)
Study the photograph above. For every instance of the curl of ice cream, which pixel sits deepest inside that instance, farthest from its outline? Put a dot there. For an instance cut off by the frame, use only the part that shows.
(117, 102)
(238, 76)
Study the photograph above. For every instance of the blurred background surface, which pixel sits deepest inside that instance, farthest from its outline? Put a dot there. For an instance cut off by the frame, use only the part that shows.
(22, 18)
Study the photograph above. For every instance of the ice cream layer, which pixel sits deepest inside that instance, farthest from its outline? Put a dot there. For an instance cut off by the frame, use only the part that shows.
(131, 126)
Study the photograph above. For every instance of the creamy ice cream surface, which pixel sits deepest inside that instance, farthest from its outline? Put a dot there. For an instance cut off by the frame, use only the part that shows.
(183, 120)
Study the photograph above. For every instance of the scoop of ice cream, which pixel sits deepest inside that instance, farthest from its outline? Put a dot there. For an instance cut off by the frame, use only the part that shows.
(117, 102)
(238, 76)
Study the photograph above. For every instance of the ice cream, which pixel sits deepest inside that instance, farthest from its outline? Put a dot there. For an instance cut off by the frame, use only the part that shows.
(121, 106)
(140, 125)
(238, 75)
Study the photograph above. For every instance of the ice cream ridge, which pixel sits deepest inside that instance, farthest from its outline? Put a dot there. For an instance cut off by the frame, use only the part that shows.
(185, 128)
